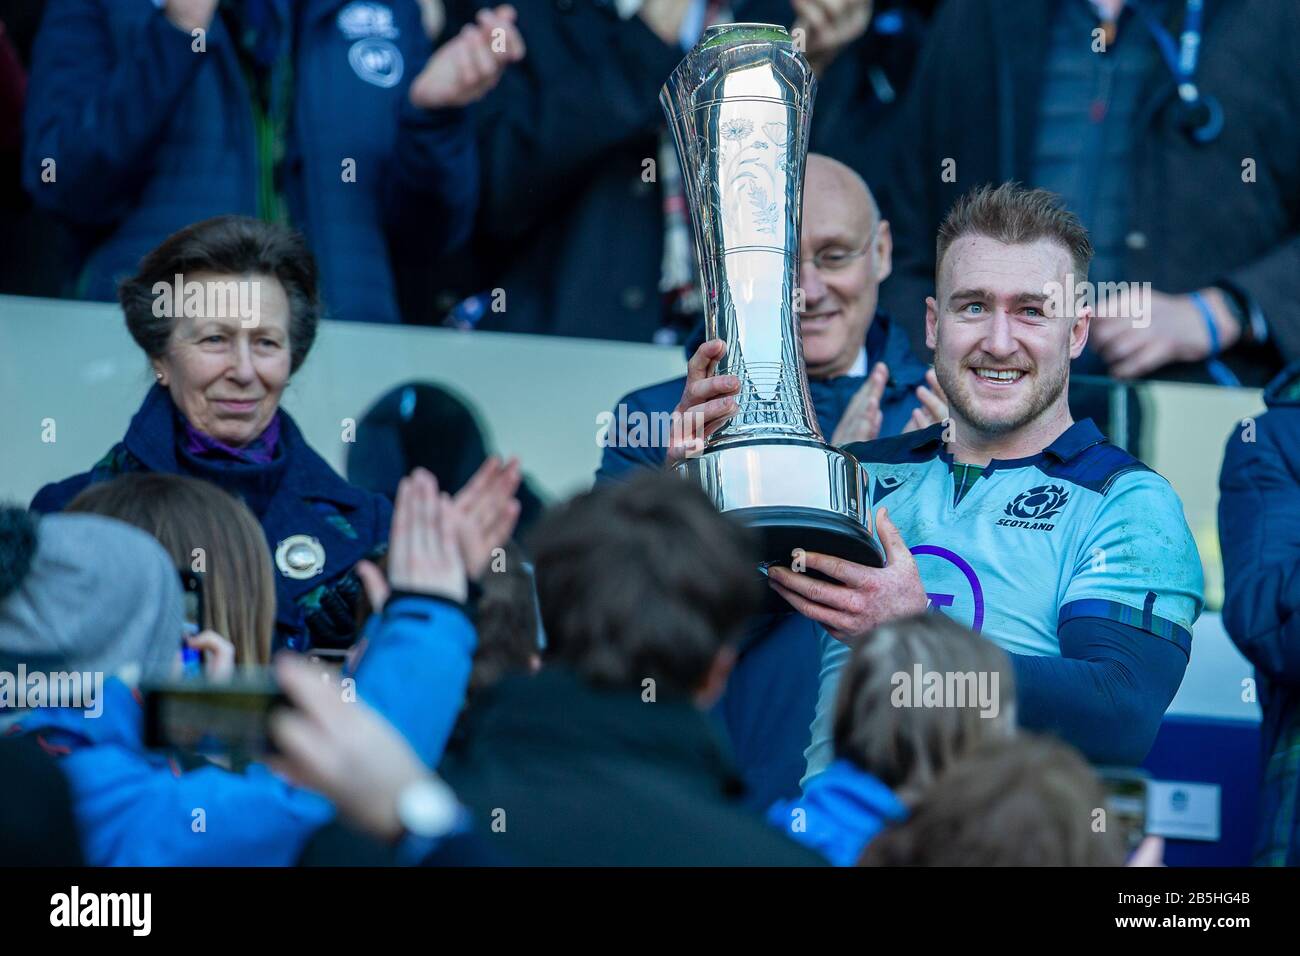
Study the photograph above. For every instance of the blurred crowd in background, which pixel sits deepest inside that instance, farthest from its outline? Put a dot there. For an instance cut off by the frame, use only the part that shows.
(510, 168)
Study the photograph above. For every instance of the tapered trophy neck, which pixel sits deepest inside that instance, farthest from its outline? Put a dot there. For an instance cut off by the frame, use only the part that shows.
(739, 105)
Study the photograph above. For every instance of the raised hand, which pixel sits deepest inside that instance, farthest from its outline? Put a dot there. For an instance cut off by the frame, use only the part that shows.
(934, 405)
(467, 66)
(489, 512)
(218, 655)
(189, 15)
(424, 551)
(829, 26)
(706, 404)
(861, 420)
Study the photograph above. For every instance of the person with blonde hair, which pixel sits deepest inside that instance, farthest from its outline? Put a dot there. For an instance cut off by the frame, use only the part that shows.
(917, 694)
(208, 531)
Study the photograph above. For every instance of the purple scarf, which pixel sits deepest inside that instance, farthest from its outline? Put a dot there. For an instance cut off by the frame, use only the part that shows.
(259, 451)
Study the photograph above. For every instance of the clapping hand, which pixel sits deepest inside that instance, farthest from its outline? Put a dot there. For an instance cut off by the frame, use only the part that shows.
(489, 512)
(424, 545)
(467, 66)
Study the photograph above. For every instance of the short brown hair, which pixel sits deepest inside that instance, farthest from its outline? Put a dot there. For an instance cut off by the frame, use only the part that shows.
(643, 580)
(226, 245)
(907, 747)
(184, 514)
(1015, 215)
(1021, 801)
(507, 622)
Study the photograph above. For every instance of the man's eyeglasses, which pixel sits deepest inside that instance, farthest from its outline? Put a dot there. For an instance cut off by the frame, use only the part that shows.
(835, 259)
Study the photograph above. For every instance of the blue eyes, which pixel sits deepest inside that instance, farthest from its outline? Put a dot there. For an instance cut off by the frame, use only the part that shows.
(976, 308)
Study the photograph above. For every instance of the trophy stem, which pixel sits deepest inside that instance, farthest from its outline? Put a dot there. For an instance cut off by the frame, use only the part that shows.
(739, 107)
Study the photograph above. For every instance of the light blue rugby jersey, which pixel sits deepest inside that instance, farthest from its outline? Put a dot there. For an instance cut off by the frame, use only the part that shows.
(1082, 529)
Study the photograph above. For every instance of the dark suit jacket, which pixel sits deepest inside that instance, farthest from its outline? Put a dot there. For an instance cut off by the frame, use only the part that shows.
(567, 227)
(558, 772)
(1201, 224)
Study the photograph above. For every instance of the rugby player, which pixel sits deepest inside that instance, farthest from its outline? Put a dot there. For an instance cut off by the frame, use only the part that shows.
(1011, 517)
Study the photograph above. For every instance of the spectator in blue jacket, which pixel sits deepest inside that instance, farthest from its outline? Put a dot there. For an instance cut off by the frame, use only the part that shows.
(846, 248)
(891, 742)
(132, 806)
(336, 116)
(1259, 535)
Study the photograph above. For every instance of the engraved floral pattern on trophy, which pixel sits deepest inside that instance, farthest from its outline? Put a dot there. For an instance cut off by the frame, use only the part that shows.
(738, 106)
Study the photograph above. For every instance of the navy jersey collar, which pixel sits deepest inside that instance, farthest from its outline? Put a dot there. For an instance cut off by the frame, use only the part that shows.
(1071, 443)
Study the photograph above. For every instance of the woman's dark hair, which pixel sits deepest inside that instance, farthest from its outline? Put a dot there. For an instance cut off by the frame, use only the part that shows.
(225, 245)
(643, 580)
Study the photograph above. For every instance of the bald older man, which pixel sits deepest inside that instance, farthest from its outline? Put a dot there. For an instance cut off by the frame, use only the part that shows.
(846, 248)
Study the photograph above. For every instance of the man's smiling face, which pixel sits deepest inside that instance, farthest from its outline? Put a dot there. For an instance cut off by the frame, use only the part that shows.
(1001, 357)
(840, 226)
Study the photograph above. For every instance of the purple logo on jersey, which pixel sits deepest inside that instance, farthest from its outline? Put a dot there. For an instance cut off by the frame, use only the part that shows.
(940, 600)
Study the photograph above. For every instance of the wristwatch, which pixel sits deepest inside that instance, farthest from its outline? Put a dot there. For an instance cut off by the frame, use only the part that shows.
(428, 808)
(428, 812)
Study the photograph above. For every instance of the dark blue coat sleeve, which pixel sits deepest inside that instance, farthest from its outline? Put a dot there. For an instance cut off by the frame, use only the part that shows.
(562, 110)
(97, 105)
(432, 187)
(58, 495)
(633, 437)
(1106, 693)
(1259, 536)
(415, 669)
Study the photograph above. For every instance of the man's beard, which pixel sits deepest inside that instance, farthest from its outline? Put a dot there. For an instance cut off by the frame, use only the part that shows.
(1045, 390)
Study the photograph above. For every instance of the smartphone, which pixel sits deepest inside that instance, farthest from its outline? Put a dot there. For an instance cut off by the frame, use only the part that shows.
(1127, 793)
(192, 597)
(212, 719)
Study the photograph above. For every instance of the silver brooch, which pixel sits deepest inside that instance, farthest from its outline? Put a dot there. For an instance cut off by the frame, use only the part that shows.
(300, 556)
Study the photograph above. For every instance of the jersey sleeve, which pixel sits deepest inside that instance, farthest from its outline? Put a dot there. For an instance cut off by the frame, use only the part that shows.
(1137, 563)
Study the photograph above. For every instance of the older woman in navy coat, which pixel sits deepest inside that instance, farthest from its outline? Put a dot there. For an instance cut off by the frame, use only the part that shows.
(223, 346)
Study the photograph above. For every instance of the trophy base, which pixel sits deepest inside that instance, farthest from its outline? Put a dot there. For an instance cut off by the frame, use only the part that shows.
(795, 494)
(783, 532)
